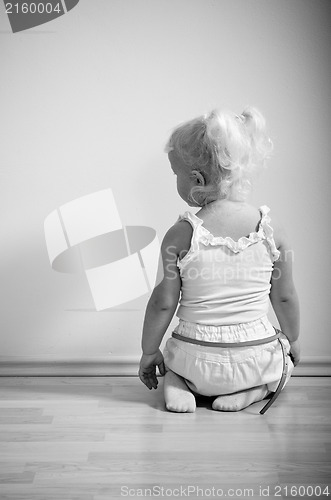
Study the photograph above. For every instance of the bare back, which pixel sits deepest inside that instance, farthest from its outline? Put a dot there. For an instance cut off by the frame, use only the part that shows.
(229, 218)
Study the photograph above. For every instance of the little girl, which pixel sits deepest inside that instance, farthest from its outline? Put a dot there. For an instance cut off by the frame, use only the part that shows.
(222, 265)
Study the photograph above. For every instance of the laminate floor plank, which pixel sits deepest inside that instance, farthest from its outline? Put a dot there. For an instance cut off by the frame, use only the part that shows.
(98, 438)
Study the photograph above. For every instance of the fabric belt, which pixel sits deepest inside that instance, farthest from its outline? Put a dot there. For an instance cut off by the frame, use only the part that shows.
(227, 344)
(281, 382)
(248, 343)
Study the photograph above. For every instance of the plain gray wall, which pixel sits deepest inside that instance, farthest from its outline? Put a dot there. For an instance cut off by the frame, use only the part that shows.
(88, 101)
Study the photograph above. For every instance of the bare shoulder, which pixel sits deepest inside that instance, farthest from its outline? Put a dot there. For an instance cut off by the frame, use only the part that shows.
(178, 237)
(279, 232)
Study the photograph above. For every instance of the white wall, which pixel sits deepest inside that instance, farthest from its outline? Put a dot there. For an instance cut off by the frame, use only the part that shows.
(87, 102)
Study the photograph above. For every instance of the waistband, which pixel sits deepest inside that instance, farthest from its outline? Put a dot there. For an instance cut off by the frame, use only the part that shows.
(227, 344)
(241, 332)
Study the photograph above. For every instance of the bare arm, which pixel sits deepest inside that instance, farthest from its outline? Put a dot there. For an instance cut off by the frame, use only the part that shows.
(162, 304)
(284, 297)
(164, 299)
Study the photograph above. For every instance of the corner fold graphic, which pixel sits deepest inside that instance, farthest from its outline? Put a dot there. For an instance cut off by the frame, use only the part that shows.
(31, 13)
(70, 4)
(121, 263)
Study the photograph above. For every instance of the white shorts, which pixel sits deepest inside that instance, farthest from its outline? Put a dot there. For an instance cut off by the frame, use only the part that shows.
(212, 371)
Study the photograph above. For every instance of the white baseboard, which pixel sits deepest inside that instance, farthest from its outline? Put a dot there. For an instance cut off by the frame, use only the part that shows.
(51, 366)
(313, 366)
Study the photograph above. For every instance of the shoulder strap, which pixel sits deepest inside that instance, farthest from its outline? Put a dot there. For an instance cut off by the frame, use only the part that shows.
(264, 210)
(194, 247)
(268, 231)
(191, 218)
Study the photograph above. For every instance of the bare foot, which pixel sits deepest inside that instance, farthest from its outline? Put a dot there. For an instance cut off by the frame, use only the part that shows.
(177, 395)
(240, 400)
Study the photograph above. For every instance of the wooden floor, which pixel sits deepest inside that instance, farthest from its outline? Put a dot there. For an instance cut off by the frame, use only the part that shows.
(105, 438)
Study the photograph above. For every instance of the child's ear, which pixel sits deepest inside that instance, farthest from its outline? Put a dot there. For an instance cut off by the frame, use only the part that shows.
(198, 178)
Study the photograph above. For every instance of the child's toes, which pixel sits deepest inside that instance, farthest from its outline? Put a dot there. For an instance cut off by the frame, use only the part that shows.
(240, 400)
(187, 406)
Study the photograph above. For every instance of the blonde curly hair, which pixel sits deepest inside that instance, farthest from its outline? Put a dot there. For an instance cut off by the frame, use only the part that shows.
(228, 149)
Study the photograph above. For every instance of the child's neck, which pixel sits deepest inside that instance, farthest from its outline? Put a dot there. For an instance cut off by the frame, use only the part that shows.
(224, 202)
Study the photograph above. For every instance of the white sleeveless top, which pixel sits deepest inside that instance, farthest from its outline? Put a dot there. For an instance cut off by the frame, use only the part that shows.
(226, 282)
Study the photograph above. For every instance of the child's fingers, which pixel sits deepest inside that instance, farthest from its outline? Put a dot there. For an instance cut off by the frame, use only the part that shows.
(162, 368)
(148, 378)
(147, 381)
(151, 382)
(144, 377)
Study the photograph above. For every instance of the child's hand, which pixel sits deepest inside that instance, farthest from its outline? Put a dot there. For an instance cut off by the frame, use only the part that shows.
(295, 352)
(147, 368)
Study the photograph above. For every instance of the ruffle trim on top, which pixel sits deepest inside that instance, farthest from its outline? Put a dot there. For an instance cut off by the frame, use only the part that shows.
(202, 235)
(268, 231)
